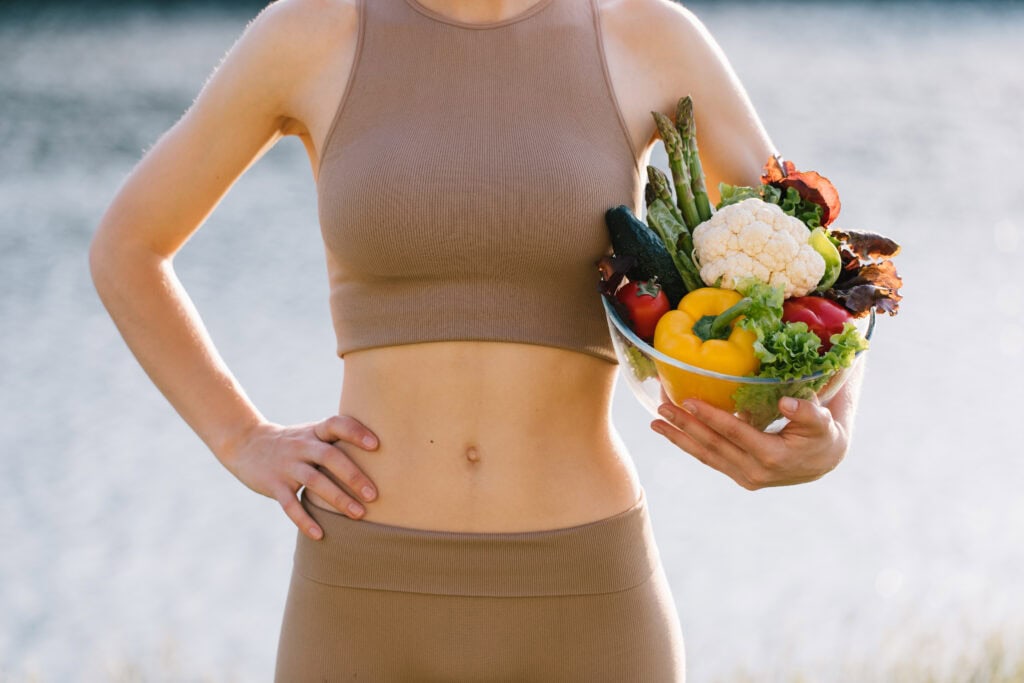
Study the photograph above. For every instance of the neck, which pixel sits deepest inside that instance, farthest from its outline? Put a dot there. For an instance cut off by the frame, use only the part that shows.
(478, 11)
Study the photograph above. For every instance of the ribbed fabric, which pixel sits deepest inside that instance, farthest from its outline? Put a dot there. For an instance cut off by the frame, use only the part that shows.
(567, 561)
(375, 602)
(464, 180)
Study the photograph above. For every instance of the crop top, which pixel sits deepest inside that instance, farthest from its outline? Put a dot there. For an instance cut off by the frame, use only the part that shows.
(465, 176)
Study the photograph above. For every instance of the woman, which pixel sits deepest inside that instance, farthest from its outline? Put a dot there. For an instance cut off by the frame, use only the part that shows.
(470, 513)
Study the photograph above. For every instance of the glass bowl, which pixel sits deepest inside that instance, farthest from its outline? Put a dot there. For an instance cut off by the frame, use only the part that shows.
(655, 378)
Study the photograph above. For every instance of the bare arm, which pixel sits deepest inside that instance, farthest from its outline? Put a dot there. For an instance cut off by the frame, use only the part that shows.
(734, 146)
(243, 110)
(733, 142)
(664, 52)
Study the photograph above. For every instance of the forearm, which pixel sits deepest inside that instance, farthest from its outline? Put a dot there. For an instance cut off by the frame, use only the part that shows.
(162, 328)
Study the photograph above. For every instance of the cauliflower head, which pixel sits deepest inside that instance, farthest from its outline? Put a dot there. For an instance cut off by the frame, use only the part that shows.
(754, 238)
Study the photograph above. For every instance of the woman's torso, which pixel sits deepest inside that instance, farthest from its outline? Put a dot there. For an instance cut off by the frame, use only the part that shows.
(485, 435)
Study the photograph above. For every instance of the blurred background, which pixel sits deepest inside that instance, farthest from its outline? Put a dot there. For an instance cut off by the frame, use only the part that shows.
(127, 553)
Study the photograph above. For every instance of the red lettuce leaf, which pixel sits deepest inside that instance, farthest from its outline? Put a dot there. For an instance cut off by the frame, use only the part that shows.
(613, 269)
(868, 244)
(864, 283)
(810, 185)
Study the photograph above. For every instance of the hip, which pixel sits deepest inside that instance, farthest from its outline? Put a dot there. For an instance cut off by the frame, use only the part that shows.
(588, 602)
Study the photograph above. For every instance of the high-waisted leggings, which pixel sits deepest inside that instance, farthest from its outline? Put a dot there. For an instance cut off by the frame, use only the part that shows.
(376, 602)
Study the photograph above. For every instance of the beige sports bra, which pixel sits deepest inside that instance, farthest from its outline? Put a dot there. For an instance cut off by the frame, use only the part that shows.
(464, 179)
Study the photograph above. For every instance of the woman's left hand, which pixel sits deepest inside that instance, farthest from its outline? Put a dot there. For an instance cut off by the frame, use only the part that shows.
(810, 446)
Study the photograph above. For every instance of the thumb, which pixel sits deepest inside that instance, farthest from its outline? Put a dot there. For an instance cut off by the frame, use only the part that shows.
(344, 428)
(806, 415)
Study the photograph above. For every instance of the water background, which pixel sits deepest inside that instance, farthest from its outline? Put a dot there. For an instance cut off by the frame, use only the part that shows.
(127, 551)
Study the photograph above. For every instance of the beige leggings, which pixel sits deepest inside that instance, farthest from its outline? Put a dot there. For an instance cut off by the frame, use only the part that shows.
(377, 602)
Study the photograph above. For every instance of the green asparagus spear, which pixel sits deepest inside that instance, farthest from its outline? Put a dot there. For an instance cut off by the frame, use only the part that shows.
(674, 234)
(658, 184)
(680, 172)
(682, 238)
(687, 127)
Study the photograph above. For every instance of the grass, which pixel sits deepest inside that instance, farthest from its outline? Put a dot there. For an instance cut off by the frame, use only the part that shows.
(997, 658)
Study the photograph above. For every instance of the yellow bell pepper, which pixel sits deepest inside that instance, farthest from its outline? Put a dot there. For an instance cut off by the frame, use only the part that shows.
(702, 332)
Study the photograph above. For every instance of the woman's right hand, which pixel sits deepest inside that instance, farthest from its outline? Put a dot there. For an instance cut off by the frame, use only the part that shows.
(277, 461)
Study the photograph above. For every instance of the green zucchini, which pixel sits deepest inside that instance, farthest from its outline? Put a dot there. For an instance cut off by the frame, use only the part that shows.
(630, 235)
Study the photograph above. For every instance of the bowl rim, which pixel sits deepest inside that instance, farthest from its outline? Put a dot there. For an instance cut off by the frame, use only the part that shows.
(613, 316)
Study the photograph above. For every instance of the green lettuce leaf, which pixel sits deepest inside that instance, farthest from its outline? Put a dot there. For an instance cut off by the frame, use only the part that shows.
(791, 202)
(733, 194)
(760, 402)
(793, 351)
(642, 366)
(795, 205)
(787, 351)
(764, 317)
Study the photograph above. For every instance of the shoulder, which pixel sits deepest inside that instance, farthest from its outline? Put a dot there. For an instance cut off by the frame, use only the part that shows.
(662, 32)
(669, 52)
(295, 28)
(285, 49)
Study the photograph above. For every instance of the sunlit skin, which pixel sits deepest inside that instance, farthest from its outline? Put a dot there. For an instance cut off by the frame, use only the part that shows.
(469, 436)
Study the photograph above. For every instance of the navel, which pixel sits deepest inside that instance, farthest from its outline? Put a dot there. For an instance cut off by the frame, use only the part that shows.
(472, 454)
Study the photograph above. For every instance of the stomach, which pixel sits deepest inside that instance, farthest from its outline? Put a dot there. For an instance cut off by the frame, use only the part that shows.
(483, 436)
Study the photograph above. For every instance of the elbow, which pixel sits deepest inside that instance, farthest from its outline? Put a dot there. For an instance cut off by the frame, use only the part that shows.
(97, 254)
(115, 263)
(102, 261)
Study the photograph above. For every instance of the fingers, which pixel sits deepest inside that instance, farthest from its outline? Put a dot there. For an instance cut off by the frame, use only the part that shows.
(809, 446)
(722, 441)
(293, 508)
(717, 428)
(347, 472)
(328, 491)
(805, 417)
(345, 428)
(286, 459)
(710, 457)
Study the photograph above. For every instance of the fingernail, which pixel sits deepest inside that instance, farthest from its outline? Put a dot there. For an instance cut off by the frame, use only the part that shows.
(665, 412)
(368, 493)
(315, 533)
(690, 407)
(369, 441)
(788, 404)
(355, 508)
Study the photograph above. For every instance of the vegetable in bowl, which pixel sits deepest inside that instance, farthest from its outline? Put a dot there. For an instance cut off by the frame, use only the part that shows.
(767, 300)
(655, 377)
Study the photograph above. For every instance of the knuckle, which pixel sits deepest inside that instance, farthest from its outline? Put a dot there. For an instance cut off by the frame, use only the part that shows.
(771, 462)
(338, 463)
(759, 478)
(345, 425)
(326, 455)
(332, 420)
(730, 431)
(748, 484)
(307, 476)
(319, 480)
(358, 481)
(713, 445)
(341, 501)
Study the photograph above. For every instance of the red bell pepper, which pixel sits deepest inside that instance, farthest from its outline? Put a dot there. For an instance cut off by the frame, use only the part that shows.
(823, 316)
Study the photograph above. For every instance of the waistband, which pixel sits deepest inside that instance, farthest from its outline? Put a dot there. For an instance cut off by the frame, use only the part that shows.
(604, 556)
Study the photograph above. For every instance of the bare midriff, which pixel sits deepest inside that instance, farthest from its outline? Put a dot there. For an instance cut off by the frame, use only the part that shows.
(487, 436)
